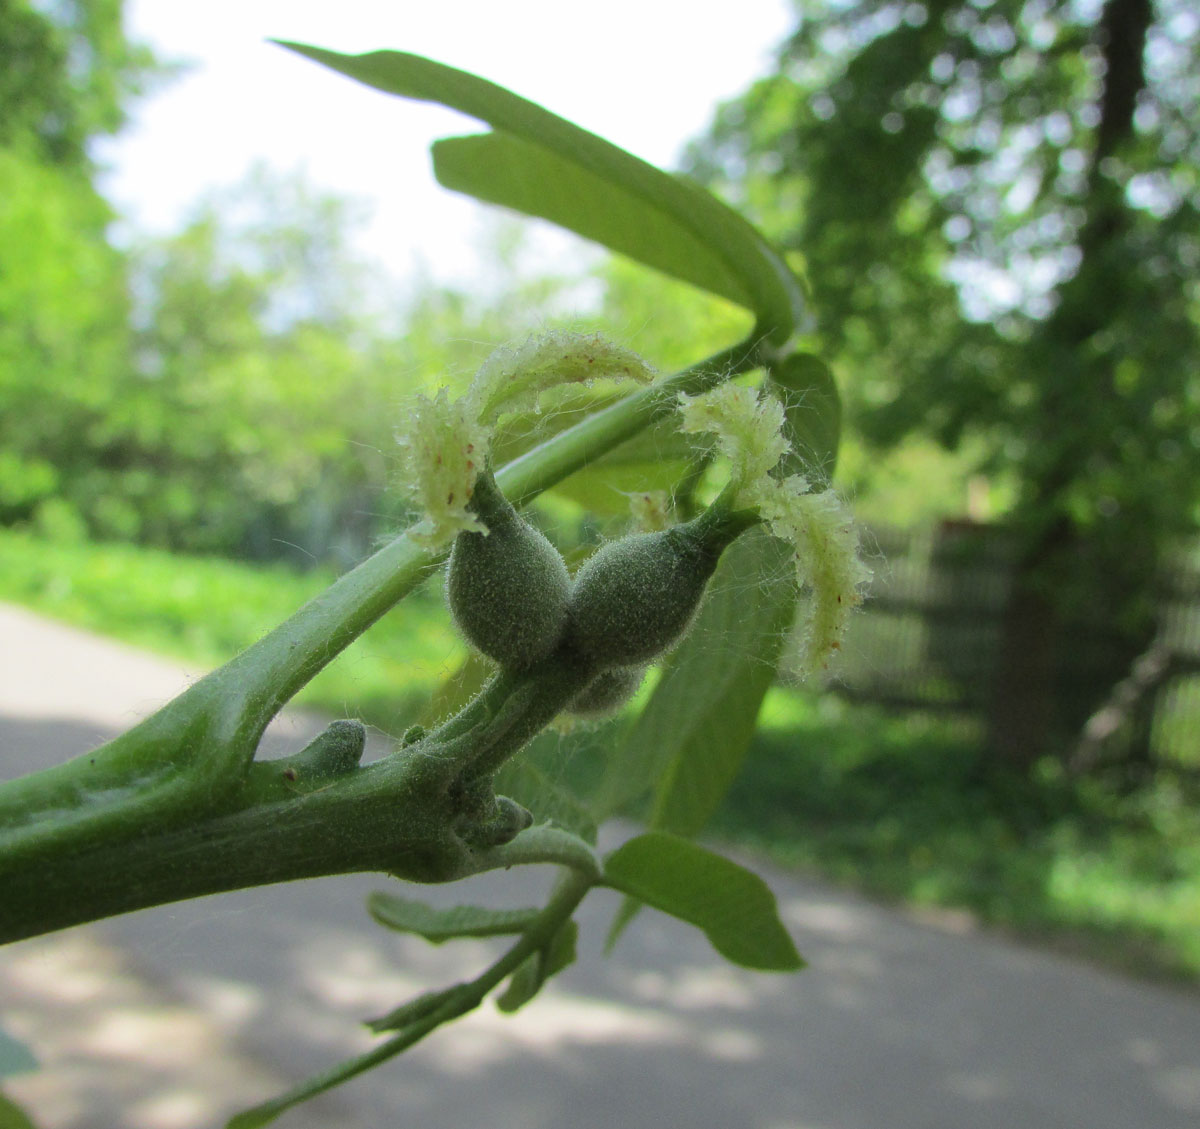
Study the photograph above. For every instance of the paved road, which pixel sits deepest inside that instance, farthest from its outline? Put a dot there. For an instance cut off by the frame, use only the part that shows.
(171, 1018)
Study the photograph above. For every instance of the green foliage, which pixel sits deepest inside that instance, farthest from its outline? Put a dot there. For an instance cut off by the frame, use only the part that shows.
(181, 805)
(63, 334)
(733, 907)
(67, 74)
(687, 743)
(242, 413)
(1000, 208)
(438, 925)
(909, 809)
(942, 169)
(539, 163)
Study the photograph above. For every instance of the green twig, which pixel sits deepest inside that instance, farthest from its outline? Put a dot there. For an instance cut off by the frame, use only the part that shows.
(450, 1004)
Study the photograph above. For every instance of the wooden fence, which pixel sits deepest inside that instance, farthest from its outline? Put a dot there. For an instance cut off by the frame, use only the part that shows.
(930, 632)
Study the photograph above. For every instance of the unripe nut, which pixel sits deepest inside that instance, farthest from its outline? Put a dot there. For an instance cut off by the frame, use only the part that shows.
(634, 598)
(507, 589)
(607, 692)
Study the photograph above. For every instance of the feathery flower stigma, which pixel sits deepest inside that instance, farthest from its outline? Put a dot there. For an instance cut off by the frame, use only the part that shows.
(441, 454)
(513, 377)
(828, 565)
(749, 430)
(446, 443)
(748, 427)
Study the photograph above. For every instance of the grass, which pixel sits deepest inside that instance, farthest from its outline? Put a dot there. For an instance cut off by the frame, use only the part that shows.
(906, 808)
(901, 807)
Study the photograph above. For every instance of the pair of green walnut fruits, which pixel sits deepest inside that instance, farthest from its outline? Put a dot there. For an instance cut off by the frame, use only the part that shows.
(513, 599)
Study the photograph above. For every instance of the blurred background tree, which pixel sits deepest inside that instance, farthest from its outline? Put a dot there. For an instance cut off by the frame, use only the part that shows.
(996, 204)
(66, 76)
(996, 201)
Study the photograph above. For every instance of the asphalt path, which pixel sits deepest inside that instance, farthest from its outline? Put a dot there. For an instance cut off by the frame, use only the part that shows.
(173, 1018)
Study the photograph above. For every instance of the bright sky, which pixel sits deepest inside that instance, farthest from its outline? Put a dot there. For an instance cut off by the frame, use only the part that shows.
(646, 74)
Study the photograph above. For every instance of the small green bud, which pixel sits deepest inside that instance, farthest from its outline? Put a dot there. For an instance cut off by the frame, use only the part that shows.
(636, 597)
(333, 752)
(507, 588)
(607, 691)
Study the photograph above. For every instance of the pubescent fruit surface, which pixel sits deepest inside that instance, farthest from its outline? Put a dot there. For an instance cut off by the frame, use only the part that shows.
(635, 597)
(507, 589)
(607, 691)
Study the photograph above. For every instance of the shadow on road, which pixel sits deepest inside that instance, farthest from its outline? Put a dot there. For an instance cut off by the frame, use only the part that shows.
(174, 1017)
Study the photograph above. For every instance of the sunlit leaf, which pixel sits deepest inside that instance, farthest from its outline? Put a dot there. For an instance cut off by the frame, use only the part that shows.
(540, 160)
(734, 907)
(501, 169)
(528, 980)
(692, 737)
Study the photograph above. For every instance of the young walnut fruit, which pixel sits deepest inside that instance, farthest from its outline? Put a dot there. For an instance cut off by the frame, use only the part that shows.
(607, 692)
(507, 588)
(634, 598)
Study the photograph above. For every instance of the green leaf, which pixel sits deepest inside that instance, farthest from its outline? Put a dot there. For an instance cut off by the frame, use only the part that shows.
(15, 1056)
(693, 734)
(12, 1116)
(813, 408)
(437, 925)
(523, 985)
(527, 981)
(692, 738)
(735, 908)
(501, 169)
(536, 161)
(657, 459)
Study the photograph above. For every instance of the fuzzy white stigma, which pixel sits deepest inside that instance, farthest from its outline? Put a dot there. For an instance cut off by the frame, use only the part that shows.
(445, 443)
(829, 569)
(748, 427)
(513, 377)
(442, 451)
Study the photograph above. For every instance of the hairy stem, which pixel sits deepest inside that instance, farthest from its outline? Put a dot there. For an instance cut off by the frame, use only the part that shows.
(177, 807)
(411, 814)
